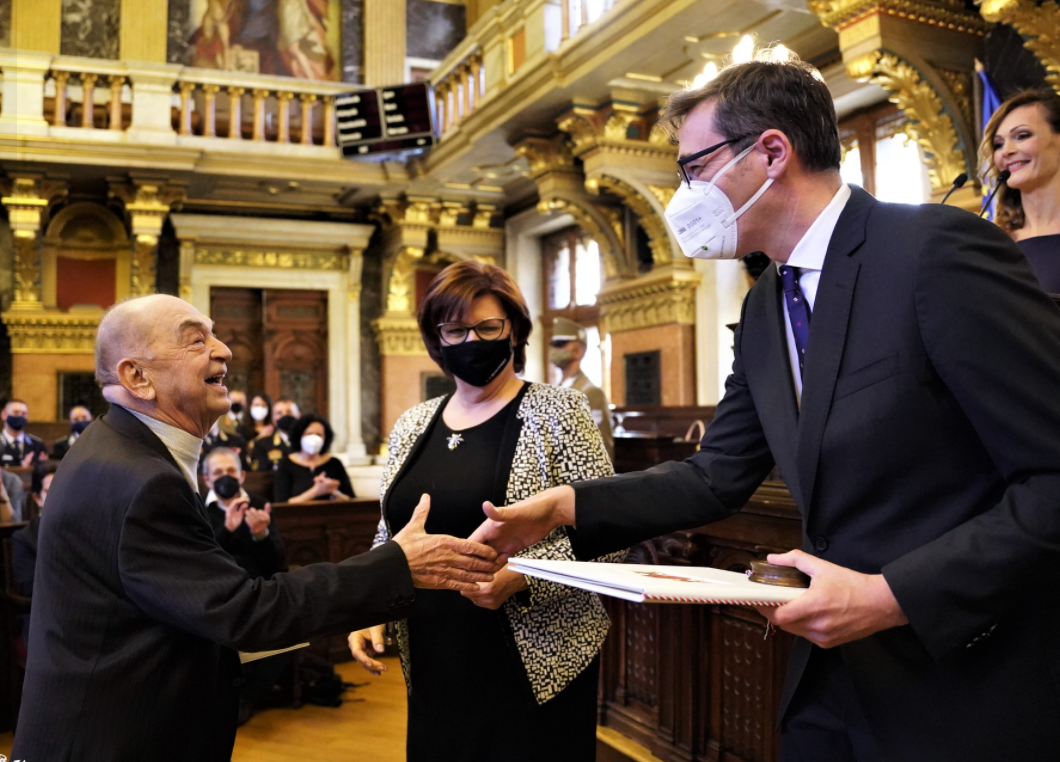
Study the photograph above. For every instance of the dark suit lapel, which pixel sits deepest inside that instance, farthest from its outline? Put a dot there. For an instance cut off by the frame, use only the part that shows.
(784, 388)
(828, 335)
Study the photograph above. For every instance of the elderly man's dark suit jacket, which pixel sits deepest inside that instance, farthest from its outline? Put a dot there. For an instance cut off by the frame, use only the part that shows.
(927, 447)
(138, 613)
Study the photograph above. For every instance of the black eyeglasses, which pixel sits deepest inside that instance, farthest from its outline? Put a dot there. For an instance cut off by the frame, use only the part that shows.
(489, 329)
(683, 174)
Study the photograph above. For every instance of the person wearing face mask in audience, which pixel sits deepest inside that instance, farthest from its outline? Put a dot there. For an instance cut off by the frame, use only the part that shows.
(235, 421)
(242, 526)
(311, 473)
(261, 424)
(80, 417)
(566, 351)
(531, 646)
(1023, 138)
(268, 450)
(19, 447)
(217, 438)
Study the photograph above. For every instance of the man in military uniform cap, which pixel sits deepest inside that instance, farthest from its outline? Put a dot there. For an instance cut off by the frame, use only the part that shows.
(568, 347)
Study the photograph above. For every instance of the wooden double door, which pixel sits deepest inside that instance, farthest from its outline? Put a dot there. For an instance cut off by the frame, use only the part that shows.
(279, 342)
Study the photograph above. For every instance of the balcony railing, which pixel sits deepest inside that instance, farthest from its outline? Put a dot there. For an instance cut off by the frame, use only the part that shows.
(508, 40)
(52, 95)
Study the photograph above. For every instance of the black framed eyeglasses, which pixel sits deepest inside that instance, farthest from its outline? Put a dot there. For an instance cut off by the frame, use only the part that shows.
(490, 329)
(683, 174)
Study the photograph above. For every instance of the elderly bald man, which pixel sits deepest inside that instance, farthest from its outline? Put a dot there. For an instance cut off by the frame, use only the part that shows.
(137, 613)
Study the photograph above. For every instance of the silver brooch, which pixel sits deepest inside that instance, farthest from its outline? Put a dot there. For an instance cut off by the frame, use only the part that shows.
(454, 441)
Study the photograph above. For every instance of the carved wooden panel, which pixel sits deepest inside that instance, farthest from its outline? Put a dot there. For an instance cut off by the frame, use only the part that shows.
(236, 313)
(697, 683)
(296, 348)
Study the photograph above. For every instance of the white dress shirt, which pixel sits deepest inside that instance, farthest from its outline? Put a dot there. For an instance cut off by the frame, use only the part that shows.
(808, 255)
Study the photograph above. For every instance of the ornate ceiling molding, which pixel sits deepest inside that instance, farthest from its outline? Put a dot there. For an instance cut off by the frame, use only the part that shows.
(285, 260)
(945, 14)
(617, 128)
(661, 298)
(46, 332)
(1038, 24)
(653, 224)
(930, 125)
(399, 336)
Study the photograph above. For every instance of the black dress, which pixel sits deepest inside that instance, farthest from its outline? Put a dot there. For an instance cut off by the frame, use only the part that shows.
(292, 479)
(470, 698)
(1043, 252)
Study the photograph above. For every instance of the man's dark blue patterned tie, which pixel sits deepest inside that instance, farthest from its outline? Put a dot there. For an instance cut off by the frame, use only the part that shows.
(798, 311)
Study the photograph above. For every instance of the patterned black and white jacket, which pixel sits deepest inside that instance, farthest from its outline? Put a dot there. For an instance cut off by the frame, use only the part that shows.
(560, 629)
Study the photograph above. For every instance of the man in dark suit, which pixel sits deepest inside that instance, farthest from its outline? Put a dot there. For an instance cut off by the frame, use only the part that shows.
(80, 417)
(17, 446)
(137, 612)
(899, 365)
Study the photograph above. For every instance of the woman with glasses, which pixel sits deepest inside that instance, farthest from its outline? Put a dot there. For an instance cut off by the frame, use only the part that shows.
(509, 672)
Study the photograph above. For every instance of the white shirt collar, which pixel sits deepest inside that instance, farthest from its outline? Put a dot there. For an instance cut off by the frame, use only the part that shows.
(184, 447)
(211, 497)
(20, 437)
(810, 251)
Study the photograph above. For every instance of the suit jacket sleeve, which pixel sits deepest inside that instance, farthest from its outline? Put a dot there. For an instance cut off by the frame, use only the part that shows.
(580, 455)
(732, 461)
(994, 339)
(172, 568)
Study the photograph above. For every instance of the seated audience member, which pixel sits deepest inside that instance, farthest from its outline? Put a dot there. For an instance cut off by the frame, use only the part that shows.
(235, 420)
(1023, 137)
(12, 496)
(80, 417)
(24, 542)
(218, 438)
(241, 525)
(311, 473)
(268, 450)
(261, 416)
(20, 448)
(240, 521)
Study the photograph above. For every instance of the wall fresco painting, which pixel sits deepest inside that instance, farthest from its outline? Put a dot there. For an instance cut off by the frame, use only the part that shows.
(291, 38)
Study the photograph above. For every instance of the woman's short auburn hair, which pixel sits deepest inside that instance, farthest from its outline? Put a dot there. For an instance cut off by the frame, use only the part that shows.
(450, 294)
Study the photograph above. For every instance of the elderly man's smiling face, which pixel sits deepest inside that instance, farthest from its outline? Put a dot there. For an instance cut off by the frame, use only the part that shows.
(185, 365)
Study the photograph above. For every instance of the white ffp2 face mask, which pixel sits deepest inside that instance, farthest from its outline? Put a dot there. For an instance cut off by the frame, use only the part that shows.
(702, 219)
(312, 444)
(259, 412)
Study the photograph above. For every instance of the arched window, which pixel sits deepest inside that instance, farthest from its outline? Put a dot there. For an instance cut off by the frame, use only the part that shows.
(573, 278)
(879, 155)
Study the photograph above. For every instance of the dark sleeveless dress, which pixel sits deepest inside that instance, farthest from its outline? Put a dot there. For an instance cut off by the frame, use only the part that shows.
(470, 699)
(1043, 252)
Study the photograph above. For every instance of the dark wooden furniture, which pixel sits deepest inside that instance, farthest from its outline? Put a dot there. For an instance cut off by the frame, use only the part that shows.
(327, 531)
(697, 683)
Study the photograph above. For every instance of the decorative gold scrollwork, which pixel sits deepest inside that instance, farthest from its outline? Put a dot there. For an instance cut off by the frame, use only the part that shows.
(1039, 25)
(929, 124)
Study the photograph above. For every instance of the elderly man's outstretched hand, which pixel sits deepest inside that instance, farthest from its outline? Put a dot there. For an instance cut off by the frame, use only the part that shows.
(442, 562)
(516, 527)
